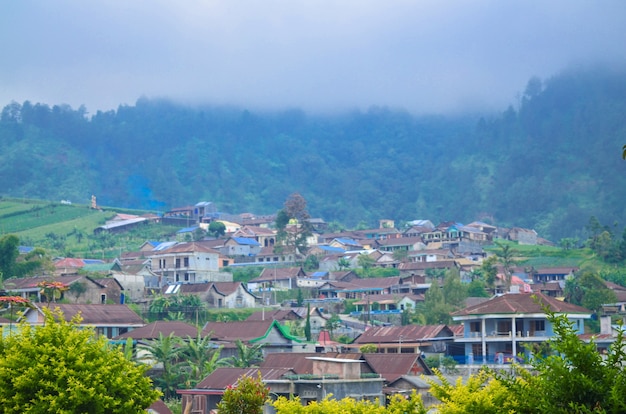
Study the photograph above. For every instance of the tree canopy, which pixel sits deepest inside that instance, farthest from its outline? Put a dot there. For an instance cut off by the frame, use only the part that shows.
(59, 368)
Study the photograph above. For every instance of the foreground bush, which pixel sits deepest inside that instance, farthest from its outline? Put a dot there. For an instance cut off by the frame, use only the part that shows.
(59, 368)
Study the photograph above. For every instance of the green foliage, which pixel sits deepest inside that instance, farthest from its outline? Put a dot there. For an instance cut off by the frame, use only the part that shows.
(307, 323)
(247, 356)
(311, 263)
(167, 306)
(59, 368)
(398, 404)
(526, 150)
(165, 351)
(247, 396)
(570, 376)
(481, 393)
(217, 228)
(368, 348)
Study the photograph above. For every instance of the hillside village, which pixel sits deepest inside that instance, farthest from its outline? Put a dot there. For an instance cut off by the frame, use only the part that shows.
(132, 296)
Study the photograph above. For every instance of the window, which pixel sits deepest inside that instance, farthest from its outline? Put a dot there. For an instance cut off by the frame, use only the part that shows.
(103, 298)
(475, 329)
(177, 263)
(540, 325)
(186, 277)
(186, 263)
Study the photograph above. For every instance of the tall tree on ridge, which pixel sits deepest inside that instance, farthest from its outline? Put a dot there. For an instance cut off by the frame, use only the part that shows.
(294, 227)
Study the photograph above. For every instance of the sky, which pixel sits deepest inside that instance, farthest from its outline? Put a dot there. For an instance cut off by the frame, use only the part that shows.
(426, 57)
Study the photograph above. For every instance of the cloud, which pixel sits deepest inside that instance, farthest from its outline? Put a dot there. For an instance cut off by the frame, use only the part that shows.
(425, 56)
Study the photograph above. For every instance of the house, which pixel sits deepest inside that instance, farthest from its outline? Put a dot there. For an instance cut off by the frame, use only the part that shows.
(189, 262)
(522, 236)
(240, 246)
(108, 320)
(154, 331)
(262, 235)
(549, 274)
(81, 289)
(409, 339)
(268, 255)
(70, 265)
(276, 278)
(273, 336)
(510, 323)
(216, 294)
(297, 314)
(346, 244)
(421, 268)
(207, 394)
(401, 243)
(390, 367)
(553, 289)
(339, 377)
(387, 303)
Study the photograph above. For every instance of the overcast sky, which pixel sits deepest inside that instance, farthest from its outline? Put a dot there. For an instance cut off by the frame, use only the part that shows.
(424, 56)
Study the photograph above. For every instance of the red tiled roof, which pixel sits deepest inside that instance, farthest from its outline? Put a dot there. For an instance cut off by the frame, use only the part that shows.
(96, 314)
(223, 377)
(409, 333)
(69, 262)
(190, 247)
(279, 315)
(31, 282)
(154, 329)
(521, 303)
(243, 330)
(393, 366)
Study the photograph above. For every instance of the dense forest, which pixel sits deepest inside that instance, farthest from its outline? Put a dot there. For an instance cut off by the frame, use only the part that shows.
(549, 162)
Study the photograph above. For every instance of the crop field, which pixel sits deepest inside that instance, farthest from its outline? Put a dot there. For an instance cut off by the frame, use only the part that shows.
(29, 217)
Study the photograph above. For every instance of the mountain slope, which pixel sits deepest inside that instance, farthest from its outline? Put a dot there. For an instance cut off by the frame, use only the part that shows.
(550, 164)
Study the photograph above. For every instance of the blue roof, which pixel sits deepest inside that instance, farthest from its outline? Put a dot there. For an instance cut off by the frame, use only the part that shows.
(246, 240)
(348, 241)
(332, 249)
(93, 261)
(319, 274)
(187, 229)
(25, 249)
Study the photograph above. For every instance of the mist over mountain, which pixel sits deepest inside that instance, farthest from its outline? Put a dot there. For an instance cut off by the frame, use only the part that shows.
(548, 162)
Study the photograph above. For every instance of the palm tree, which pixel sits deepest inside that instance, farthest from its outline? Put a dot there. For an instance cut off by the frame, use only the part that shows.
(165, 351)
(247, 356)
(201, 356)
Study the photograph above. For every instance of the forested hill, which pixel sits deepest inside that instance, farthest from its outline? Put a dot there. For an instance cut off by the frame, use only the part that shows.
(549, 162)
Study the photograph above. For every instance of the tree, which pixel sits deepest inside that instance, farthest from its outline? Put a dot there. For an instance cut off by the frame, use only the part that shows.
(247, 356)
(365, 262)
(311, 263)
(343, 263)
(61, 368)
(400, 255)
(165, 351)
(506, 256)
(293, 225)
(217, 229)
(588, 290)
(247, 396)
(333, 323)
(398, 404)
(481, 393)
(307, 323)
(574, 378)
(9, 252)
(199, 356)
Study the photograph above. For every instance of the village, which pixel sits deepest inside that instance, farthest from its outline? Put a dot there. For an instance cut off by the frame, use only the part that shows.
(380, 354)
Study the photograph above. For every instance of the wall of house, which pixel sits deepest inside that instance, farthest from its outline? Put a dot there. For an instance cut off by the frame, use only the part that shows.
(240, 299)
(134, 285)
